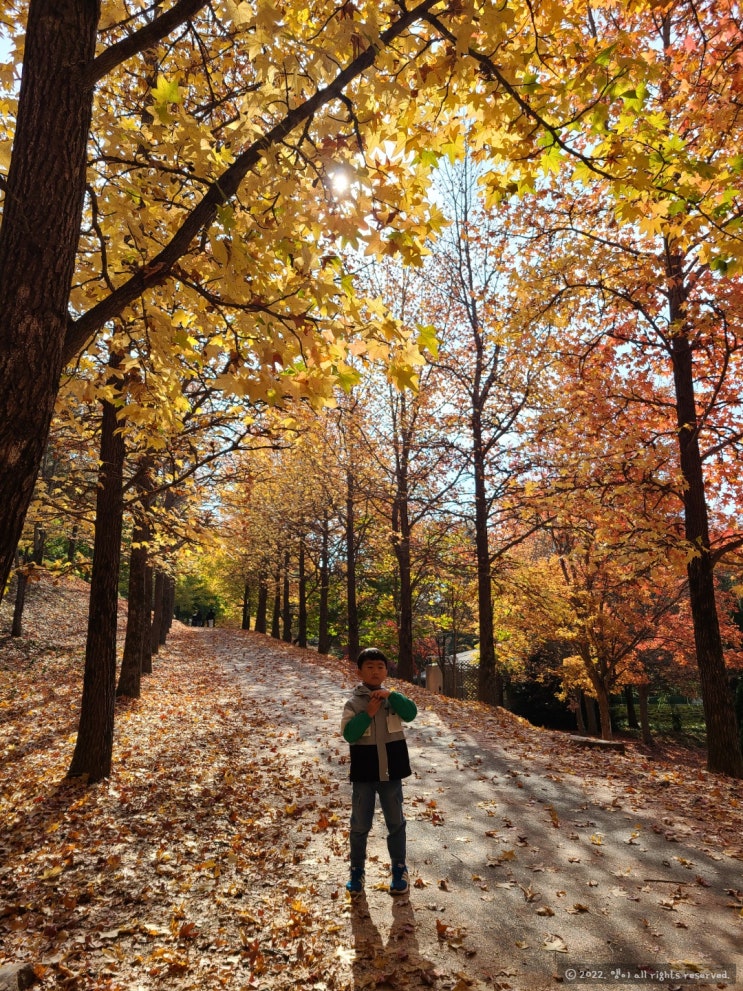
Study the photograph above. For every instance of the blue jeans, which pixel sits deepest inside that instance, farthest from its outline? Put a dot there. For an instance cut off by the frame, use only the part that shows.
(362, 815)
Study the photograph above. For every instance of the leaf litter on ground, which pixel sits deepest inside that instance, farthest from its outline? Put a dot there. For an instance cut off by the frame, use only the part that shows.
(209, 857)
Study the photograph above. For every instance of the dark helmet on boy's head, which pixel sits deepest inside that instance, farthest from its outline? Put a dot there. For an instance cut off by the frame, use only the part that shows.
(372, 654)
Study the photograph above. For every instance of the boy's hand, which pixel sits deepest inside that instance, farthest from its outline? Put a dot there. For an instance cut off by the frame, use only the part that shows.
(377, 697)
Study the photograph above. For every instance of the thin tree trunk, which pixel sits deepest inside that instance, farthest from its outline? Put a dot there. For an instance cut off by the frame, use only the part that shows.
(261, 608)
(72, 545)
(147, 642)
(591, 715)
(157, 612)
(39, 545)
(286, 612)
(323, 635)
(490, 681)
(643, 692)
(165, 611)
(604, 712)
(581, 723)
(137, 628)
(40, 229)
(351, 600)
(37, 556)
(401, 546)
(629, 699)
(16, 629)
(276, 617)
(302, 614)
(169, 607)
(246, 606)
(94, 747)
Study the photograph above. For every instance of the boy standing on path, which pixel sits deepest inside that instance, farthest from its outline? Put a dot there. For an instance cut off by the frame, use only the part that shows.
(372, 725)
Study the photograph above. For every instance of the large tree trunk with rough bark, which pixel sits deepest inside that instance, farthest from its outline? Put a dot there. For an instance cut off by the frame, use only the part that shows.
(723, 746)
(38, 243)
(94, 747)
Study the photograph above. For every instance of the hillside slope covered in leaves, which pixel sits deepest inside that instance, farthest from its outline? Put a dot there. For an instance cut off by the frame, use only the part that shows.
(215, 855)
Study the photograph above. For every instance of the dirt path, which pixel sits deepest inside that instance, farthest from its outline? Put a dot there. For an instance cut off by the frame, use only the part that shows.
(215, 856)
(522, 871)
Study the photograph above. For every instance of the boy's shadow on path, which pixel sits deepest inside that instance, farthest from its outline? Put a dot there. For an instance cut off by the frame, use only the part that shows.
(391, 966)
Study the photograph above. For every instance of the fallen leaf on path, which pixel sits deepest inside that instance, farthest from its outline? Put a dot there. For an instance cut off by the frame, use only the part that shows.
(555, 943)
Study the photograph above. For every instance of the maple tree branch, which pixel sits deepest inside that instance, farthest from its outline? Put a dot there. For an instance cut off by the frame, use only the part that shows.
(491, 71)
(96, 226)
(224, 188)
(728, 547)
(141, 40)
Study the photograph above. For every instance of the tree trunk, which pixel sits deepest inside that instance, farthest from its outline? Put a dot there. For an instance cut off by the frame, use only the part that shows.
(276, 617)
(94, 747)
(246, 606)
(580, 721)
(262, 607)
(157, 612)
(401, 545)
(323, 635)
(72, 545)
(147, 643)
(39, 234)
(302, 617)
(490, 681)
(39, 545)
(137, 627)
(723, 746)
(604, 712)
(591, 715)
(168, 608)
(352, 608)
(629, 698)
(643, 692)
(286, 612)
(23, 560)
(16, 629)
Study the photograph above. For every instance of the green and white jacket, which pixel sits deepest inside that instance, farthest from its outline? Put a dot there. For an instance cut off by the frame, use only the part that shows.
(378, 748)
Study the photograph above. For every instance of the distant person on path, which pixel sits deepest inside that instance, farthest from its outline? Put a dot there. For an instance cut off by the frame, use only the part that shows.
(372, 725)
(210, 618)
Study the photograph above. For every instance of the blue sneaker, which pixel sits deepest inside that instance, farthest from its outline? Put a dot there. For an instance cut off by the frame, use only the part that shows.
(399, 882)
(355, 884)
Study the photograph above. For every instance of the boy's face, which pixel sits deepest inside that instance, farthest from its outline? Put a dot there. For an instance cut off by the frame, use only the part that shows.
(373, 673)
